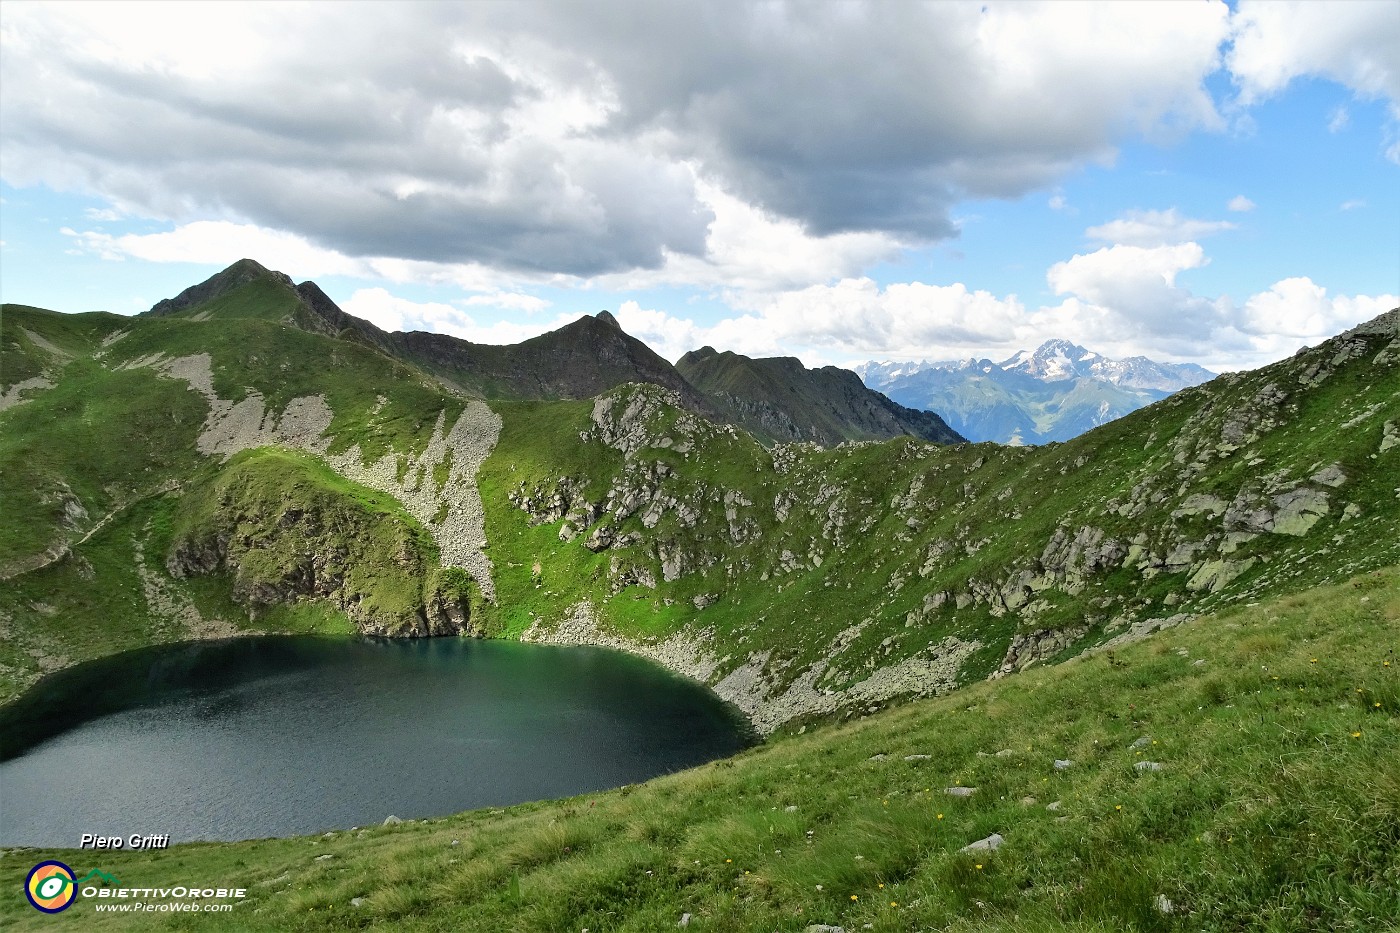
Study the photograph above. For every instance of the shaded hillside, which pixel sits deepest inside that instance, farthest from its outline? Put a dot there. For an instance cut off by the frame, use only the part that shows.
(579, 360)
(780, 400)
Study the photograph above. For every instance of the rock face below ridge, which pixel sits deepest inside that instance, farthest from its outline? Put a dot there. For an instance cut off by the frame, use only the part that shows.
(281, 527)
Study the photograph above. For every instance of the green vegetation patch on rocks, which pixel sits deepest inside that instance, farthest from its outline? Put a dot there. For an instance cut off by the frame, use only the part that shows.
(287, 528)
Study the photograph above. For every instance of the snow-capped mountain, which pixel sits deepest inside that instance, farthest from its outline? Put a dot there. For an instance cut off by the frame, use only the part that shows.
(1050, 394)
(1059, 359)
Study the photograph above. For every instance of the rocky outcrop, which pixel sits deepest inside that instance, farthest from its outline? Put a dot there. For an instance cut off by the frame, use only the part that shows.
(23, 391)
(754, 685)
(451, 511)
(284, 540)
(1031, 648)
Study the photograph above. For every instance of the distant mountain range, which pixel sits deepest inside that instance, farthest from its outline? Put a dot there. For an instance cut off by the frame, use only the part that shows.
(1055, 393)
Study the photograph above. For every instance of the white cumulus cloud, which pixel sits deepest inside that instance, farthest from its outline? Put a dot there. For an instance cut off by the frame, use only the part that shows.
(544, 139)
(1352, 42)
(1158, 228)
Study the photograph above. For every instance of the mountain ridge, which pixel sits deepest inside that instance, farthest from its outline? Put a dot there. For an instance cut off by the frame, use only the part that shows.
(583, 358)
(781, 400)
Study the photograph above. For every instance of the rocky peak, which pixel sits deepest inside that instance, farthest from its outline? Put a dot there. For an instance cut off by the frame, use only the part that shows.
(327, 317)
(216, 286)
(697, 356)
(1052, 361)
(607, 318)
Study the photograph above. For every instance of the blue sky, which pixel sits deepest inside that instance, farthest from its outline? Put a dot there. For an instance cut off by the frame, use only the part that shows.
(1189, 181)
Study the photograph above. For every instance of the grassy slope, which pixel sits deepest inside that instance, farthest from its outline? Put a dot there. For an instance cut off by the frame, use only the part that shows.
(989, 511)
(1278, 808)
(110, 439)
(94, 604)
(892, 523)
(292, 523)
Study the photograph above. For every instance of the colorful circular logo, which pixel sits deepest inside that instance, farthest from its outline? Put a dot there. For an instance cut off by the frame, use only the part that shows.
(50, 887)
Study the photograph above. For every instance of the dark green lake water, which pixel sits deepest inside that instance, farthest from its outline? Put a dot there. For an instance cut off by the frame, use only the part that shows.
(274, 736)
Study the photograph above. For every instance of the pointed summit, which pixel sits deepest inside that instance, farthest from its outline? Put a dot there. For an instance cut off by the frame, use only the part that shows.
(220, 285)
(607, 318)
(1052, 361)
(695, 357)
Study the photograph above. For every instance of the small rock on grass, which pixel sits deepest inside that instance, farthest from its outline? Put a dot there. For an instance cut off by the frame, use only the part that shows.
(989, 844)
(684, 921)
(1148, 766)
(357, 902)
(1162, 903)
(917, 757)
(1063, 763)
(1053, 806)
(392, 820)
(824, 928)
(959, 791)
(1143, 742)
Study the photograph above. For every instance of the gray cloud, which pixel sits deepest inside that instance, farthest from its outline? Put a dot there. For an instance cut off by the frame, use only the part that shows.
(566, 138)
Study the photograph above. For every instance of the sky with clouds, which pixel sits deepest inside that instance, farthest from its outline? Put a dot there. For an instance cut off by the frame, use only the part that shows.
(1192, 181)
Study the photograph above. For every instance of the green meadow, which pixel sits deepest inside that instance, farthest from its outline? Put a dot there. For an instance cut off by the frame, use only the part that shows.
(1239, 772)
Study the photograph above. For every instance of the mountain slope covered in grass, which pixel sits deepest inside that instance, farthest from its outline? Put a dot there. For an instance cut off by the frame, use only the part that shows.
(801, 583)
(1193, 606)
(1237, 772)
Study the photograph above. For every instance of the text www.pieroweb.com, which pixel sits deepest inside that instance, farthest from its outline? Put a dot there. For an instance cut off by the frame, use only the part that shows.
(175, 907)
(179, 900)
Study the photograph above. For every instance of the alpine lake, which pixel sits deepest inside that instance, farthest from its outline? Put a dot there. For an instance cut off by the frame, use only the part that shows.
(284, 735)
